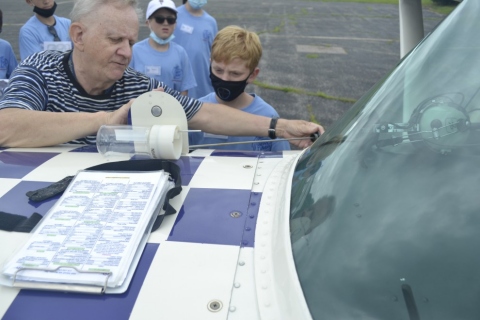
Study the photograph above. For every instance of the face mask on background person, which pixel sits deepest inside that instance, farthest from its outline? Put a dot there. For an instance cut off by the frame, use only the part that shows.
(46, 13)
(227, 90)
(160, 40)
(197, 4)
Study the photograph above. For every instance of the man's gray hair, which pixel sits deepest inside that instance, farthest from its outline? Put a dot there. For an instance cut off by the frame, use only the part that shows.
(85, 8)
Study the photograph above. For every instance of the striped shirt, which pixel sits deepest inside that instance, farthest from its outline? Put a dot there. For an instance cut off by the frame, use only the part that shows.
(44, 82)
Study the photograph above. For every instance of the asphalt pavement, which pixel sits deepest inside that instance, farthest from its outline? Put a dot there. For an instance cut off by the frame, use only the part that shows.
(319, 57)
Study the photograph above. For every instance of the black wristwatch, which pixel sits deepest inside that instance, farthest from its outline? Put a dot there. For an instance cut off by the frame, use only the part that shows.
(272, 134)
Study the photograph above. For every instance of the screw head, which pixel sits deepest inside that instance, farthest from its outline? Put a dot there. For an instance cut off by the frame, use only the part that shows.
(215, 305)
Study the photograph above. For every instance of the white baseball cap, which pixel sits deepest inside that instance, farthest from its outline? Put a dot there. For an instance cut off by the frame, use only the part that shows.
(154, 5)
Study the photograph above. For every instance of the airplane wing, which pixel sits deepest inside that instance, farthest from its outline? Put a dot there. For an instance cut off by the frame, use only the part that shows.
(197, 265)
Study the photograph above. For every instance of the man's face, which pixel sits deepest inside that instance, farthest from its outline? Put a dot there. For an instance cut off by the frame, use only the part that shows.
(236, 70)
(42, 4)
(107, 42)
(162, 29)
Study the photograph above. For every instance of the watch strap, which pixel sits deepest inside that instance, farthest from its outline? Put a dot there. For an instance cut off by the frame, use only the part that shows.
(272, 134)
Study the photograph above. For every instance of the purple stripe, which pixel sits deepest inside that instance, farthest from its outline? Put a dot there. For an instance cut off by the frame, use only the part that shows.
(19, 164)
(206, 217)
(15, 201)
(48, 305)
(188, 167)
(86, 148)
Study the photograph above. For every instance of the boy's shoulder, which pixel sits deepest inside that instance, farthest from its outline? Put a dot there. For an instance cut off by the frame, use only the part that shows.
(63, 20)
(31, 23)
(260, 106)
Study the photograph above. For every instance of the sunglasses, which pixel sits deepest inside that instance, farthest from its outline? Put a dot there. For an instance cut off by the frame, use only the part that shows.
(53, 32)
(161, 19)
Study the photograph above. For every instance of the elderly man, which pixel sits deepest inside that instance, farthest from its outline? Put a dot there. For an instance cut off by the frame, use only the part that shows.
(57, 97)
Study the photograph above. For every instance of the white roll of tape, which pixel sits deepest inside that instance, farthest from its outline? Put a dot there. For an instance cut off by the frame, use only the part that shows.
(165, 142)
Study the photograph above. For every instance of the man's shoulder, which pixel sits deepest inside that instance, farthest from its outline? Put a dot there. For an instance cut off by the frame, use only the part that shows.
(44, 58)
(134, 77)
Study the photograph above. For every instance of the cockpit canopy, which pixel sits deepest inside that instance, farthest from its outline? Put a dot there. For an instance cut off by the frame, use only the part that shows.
(385, 211)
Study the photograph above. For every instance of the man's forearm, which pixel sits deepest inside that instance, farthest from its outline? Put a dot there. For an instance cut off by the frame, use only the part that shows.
(220, 119)
(27, 128)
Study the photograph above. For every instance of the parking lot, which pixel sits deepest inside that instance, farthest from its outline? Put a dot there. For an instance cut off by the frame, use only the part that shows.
(319, 57)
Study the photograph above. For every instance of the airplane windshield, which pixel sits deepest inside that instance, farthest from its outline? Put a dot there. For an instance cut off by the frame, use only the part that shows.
(385, 213)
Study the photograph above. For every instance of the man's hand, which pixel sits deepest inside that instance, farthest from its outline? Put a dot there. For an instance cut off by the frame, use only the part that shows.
(296, 129)
(159, 89)
(119, 116)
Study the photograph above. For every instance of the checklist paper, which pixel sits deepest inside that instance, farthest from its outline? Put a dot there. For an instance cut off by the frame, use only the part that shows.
(95, 232)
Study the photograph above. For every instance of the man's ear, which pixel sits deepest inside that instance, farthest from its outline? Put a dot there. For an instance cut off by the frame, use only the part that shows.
(29, 2)
(77, 33)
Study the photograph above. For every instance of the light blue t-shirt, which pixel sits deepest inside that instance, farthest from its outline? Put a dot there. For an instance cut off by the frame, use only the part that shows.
(8, 61)
(33, 34)
(259, 107)
(171, 67)
(196, 35)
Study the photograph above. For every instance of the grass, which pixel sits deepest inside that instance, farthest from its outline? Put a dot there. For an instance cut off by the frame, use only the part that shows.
(302, 92)
(425, 3)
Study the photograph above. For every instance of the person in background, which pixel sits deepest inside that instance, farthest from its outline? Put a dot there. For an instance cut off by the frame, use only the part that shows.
(158, 57)
(44, 30)
(8, 61)
(195, 32)
(236, 53)
(58, 97)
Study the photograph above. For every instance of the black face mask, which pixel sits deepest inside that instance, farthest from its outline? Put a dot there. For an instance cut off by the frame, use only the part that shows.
(227, 90)
(46, 13)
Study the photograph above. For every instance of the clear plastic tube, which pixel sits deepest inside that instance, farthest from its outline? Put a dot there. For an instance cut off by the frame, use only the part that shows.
(158, 141)
(115, 141)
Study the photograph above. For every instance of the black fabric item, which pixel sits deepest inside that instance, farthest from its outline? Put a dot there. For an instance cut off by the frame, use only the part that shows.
(14, 222)
(46, 13)
(50, 191)
(149, 165)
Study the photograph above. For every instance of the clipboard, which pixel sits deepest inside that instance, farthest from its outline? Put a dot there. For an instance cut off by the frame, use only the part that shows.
(21, 281)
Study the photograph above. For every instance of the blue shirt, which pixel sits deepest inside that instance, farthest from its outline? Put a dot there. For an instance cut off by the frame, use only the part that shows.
(8, 61)
(44, 82)
(195, 35)
(172, 67)
(258, 107)
(34, 33)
